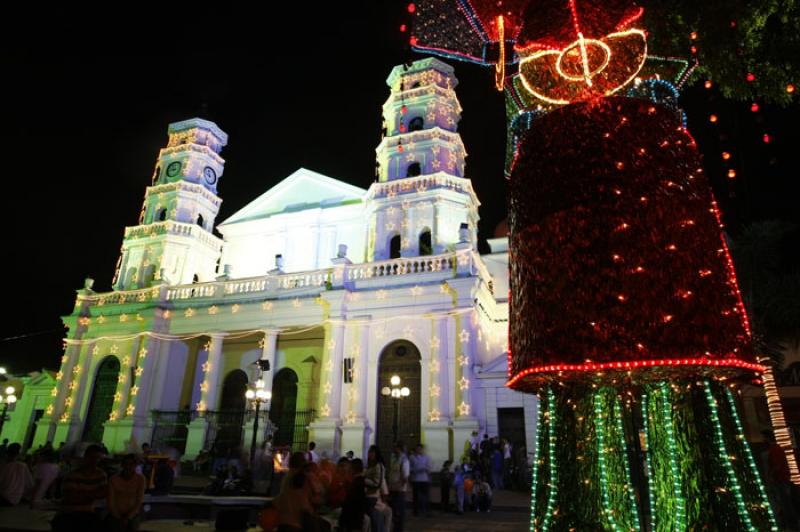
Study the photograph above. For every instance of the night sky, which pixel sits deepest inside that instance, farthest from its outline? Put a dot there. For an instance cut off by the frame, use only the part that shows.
(86, 104)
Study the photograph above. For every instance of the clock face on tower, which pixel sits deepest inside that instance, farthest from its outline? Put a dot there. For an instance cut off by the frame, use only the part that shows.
(173, 169)
(210, 175)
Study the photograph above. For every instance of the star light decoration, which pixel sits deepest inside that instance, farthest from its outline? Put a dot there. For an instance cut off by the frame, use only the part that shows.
(434, 415)
(101, 319)
(325, 411)
(189, 312)
(332, 344)
(49, 410)
(54, 392)
(96, 350)
(463, 409)
(130, 410)
(463, 383)
(235, 308)
(435, 390)
(138, 371)
(201, 406)
(350, 419)
(463, 360)
(434, 366)
(408, 331)
(464, 336)
(416, 290)
(327, 388)
(266, 305)
(329, 365)
(381, 294)
(435, 343)
(213, 309)
(134, 390)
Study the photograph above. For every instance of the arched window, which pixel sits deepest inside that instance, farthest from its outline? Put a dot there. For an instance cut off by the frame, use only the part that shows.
(416, 124)
(394, 247)
(425, 245)
(200, 221)
(413, 170)
(161, 214)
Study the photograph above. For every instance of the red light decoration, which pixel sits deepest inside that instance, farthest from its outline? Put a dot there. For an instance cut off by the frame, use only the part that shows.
(693, 35)
(766, 138)
(731, 173)
(790, 88)
(754, 107)
(751, 77)
(669, 261)
(726, 155)
(688, 364)
(411, 7)
(708, 84)
(712, 118)
(403, 28)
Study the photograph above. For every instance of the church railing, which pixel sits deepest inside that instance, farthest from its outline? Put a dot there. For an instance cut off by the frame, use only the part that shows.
(420, 184)
(401, 266)
(173, 228)
(262, 286)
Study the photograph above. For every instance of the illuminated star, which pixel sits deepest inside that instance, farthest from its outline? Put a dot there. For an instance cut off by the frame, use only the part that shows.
(464, 336)
(213, 309)
(406, 204)
(49, 410)
(435, 390)
(390, 211)
(332, 343)
(54, 392)
(117, 397)
(463, 409)
(126, 360)
(130, 410)
(262, 343)
(435, 366)
(134, 389)
(68, 402)
(390, 226)
(101, 319)
(351, 418)
(71, 385)
(235, 308)
(59, 375)
(325, 410)
(443, 288)
(138, 372)
(463, 383)
(123, 318)
(352, 393)
(434, 415)
(405, 243)
(96, 350)
(64, 358)
(381, 294)
(355, 351)
(435, 343)
(208, 345)
(112, 416)
(204, 386)
(329, 365)
(416, 290)
(201, 405)
(463, 259)
(206, 366)
(327, 388)
(463, 360)
(76, 369)
(266, 305)
(410, 157)
(189, 312)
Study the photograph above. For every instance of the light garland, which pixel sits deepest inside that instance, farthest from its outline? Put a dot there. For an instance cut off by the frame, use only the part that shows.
(649, 464)
(552, 469)
(600, 438)
(535, 469)
(781, 431)
(624, 450)
(750, 460)
(724, 457)
(663, 394)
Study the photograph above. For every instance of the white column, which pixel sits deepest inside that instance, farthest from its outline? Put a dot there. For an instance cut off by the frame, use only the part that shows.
(268, 353)
(213, 373)
(145, 400)
(362, 366)
(450, 344)
(126, 378)
(443, 355)
(336, 374)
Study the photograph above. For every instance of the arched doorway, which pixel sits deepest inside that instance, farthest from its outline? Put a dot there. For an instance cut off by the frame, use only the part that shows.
(105, 386)
(228, 420)
(284, 406)
(399, 358)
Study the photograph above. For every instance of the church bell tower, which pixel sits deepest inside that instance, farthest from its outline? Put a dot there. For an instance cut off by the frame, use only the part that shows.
(421, 198)
(173, 241)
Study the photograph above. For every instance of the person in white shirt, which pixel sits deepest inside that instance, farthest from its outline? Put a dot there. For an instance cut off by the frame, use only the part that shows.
(15, 478)
(420, 480)
(311, 455)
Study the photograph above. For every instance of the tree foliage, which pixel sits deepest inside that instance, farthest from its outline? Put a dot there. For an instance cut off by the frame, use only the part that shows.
(733, 38)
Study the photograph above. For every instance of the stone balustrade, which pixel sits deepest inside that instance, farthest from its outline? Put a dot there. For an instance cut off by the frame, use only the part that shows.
(174, 228)
(421, 183)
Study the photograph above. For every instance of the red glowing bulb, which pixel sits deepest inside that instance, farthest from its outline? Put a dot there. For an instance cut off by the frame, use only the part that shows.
(790, 88)
(766, 138)
(708, 84)
(411, 7)
(694, 49)
(726, 155)
(731, 173)
(403, 28)
(412, 41)
(693, 35)
(751, 77)
(754, 108)
(712, 118)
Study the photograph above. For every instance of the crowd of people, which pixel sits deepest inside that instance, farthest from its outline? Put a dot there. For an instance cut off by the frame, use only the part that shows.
(89, 490)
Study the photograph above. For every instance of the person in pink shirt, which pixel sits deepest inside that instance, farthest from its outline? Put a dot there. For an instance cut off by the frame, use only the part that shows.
(15, 478)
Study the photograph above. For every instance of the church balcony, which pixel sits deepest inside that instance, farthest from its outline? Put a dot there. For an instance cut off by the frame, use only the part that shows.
(171, 227)
(422, 183)
(353, 277)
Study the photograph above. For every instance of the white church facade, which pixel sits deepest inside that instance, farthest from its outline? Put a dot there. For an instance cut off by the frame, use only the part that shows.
(338, 288)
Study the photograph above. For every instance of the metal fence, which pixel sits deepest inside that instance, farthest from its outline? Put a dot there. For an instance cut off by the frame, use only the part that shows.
(170, 429)
(295, 435)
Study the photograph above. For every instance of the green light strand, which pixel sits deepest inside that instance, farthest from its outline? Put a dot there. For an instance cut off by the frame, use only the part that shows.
(723, 455)
(536, 464)
(648, 461)
(624, 448)
(600, 438)
(669, 427)
(551, 460)
(750, 461)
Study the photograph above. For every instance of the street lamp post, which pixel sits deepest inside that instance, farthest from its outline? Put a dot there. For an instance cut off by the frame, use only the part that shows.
(9, 399)
(257, 394)
(396, 393)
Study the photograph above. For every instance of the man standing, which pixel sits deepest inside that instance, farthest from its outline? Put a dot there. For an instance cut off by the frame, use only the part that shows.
(15, 478)
(312, 455)
(420, 480)
(80, 490)
(399, 472)
(125, 497)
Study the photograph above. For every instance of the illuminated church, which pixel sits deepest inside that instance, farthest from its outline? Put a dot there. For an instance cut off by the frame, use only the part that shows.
(336, 287)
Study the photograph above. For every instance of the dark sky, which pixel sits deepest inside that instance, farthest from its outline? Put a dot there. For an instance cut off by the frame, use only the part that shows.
(87, 97)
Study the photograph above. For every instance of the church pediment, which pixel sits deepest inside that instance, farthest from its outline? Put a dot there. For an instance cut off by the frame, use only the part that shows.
(302, 190)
